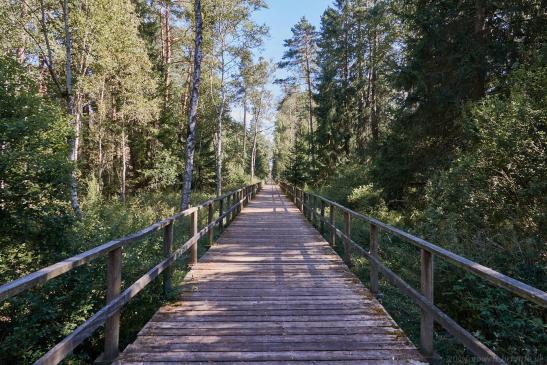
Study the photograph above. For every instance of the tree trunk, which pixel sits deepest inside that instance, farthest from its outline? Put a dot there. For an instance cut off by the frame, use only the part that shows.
(20, 52)
(218, 131)
(192, 115)
(42, 84)
(310, 110)
(124, 166)
(167, 54)
(373, 101)
(478, 86)
(361, 128)
(187, 90)
(244, 126)
(49, 60)
(73, 119)
(253, 152)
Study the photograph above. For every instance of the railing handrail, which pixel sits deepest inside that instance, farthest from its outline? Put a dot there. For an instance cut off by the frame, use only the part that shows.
(45, 274)
(498, 279)
(425, 298)
(116, 302)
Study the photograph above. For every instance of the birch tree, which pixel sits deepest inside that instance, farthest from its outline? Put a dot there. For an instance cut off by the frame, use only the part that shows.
(233, 36)
(192, 115)
(259, 98)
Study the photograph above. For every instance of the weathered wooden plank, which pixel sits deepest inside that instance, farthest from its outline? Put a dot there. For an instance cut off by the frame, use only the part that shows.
(271, 355)
(273, 324)
(271, 290)
(277, 362)
(217, 346)
(250, 311)
(187, 318)
(259, 331)
(191, 339)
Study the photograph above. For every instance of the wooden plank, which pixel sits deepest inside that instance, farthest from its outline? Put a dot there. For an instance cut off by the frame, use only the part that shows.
(271, 290)
(336, 345)
(259, 331)
(191, 339)
(393, 354)
(277, 362)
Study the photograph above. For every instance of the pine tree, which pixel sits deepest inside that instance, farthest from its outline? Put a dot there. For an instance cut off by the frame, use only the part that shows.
(300, 57)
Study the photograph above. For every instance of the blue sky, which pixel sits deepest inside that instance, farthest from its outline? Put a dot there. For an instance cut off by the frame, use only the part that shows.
(280, 16)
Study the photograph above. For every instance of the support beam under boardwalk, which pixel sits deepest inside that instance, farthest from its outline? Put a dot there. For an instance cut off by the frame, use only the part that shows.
(272, 291)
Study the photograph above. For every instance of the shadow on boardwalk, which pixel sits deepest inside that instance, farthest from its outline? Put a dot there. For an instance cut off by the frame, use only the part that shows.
(272, 291)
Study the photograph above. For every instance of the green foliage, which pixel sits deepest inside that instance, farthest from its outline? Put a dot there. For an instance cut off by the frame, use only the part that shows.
(130, 109)
(455, 53)
(460, 155)
(34, 171)
(490, 206)
(490, 203)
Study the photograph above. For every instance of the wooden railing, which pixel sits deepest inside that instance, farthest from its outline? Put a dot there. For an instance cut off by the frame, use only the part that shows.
(313, 206)
(230, 205)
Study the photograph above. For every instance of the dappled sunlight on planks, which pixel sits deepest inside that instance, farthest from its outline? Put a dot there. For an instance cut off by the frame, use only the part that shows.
(271, 291)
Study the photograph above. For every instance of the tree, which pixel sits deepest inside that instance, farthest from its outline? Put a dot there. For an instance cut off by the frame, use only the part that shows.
(454, 54)
(194, 97)
(300, 56)
(259, 97)
(234, 35)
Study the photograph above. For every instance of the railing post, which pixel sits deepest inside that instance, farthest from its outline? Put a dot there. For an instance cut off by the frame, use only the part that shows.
(114, 285)
(210, 212)
(167, 250)
(220, 213)
(308, 205)
(193, 232)
(374, 253)
(294, 194)
(332, 221)
(347, 233)
(228, 206)
(426, 320)
(234, 204)
(304, 203)
(312, 209)
(322, 224)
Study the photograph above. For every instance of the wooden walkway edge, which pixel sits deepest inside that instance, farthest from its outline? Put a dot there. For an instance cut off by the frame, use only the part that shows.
(272, 291)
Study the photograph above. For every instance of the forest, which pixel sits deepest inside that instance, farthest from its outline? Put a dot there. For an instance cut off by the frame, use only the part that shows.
(428, 115)
(431, 115)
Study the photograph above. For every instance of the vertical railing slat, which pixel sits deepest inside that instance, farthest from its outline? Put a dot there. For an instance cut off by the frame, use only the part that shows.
(332, 221)
(347, 233)
(374, 253)
(167, 250)
(114, 285)
(426, 320)
(210, 213)
(322, 217)
(193, 232)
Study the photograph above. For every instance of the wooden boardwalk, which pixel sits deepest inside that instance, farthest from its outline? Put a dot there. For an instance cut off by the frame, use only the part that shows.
(272, 291)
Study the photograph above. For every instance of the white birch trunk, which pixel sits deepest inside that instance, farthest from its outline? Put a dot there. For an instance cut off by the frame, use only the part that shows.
(194, 96)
